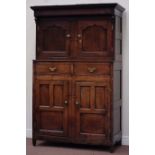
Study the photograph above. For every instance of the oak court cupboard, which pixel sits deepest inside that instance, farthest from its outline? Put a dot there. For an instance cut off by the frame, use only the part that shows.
(77, 74)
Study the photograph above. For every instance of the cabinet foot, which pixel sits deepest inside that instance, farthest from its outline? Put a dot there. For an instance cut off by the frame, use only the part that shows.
(119, 143)
(111, 149)
(34, 142)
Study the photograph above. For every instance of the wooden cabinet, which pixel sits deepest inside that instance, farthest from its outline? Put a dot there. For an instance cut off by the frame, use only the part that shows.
(77, 74)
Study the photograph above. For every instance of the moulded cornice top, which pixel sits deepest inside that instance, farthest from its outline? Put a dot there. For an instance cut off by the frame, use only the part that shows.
(79, 9)
(100, 5)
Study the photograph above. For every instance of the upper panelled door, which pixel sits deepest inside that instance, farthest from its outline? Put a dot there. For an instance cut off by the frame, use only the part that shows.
(52, 102)
(94, 38)
(53, 39)
(92, 112)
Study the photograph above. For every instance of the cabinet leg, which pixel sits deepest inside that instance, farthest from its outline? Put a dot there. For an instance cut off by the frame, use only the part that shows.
(119, 143)
(34, 141)
(111, 149)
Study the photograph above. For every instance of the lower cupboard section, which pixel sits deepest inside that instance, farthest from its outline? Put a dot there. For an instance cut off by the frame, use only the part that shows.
(73, 111)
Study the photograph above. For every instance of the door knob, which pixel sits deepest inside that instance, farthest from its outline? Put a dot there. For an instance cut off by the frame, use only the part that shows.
(66, 102)
(79, 35)
(80, 41)
(77, 104)
(79, 38)
(68, 35)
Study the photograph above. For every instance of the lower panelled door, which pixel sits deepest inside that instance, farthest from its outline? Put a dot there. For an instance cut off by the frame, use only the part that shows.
(92, 112)
(52, 108)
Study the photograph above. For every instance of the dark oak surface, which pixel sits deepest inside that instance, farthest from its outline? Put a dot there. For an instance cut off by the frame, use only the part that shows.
(73, 6)
(77, 74)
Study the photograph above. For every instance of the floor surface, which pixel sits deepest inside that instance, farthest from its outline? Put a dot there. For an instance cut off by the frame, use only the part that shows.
(44, 148)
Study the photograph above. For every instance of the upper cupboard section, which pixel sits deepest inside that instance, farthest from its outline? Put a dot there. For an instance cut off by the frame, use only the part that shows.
(74, 38)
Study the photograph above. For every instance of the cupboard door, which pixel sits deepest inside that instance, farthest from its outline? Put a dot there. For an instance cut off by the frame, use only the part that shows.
(51, 104)
(53, 39)
(94, 38)
(92, 112)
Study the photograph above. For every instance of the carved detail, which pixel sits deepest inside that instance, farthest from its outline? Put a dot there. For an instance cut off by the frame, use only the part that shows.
(94, 38)
(54, 38)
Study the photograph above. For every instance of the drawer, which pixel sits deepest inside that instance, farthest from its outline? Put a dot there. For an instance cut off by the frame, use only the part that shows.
(92, 69)
(52, 68)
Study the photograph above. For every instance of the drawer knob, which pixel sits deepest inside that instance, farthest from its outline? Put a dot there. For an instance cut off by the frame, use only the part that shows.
(91, 69)
(52, 69)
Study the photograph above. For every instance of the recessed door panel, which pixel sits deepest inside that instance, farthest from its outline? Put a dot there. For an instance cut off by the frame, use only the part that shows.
(96, 36)
(58, 96)
(44, 94)
(54, 38)
(52, 105)
(99, 97)
(92, 123)
(51, 121)
(85, 97)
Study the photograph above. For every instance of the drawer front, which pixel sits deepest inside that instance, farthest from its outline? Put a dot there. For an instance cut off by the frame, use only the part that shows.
(52, 68)
(92, 69)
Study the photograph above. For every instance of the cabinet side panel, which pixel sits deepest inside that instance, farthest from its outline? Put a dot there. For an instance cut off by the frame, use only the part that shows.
(118, 38)
(33, 106)
(117, 81)
(117, 101)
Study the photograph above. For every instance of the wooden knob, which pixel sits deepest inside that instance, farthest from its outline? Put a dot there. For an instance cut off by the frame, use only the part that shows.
(79, 35)
(66, 102)
(68, 35)
(77, 104)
